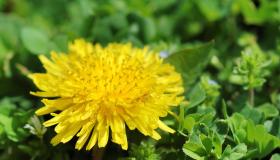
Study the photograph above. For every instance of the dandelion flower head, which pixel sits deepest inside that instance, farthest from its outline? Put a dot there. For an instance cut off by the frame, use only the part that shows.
(96, 92)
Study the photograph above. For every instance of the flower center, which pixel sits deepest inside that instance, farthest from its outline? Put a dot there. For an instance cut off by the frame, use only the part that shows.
(115, 80)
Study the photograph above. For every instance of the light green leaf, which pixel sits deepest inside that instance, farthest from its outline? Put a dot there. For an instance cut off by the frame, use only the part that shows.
(189, 123)
(257, 14)
(181, 116)
(212, 10)
(7, 124)
(217, 141)
(12, 120)
(35, 40)
(268, 110)
(6, 107)
(275, 156)
(192, 154)
(236, 153)
(254, 136)
(195, 145)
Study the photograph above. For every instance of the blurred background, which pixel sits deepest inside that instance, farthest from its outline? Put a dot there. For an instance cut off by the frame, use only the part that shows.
(32, 27)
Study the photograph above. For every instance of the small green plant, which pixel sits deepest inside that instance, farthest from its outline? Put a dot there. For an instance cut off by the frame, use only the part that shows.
(251, 69)
(211, 88)
(35, 127)
(146, 150)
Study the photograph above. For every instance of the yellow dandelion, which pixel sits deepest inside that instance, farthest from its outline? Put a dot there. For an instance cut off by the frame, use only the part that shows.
(94, 90)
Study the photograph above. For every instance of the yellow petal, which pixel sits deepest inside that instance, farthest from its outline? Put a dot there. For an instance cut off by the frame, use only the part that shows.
(56, 139)
(59, 104)
(84, 136)
(44, 94)
(70, 132)
(92, 140)
(164, 127)
(103, 136)
(155, 135)
(45, 110)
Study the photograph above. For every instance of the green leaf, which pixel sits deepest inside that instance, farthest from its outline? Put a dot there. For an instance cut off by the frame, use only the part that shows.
(7, 123)
(189, 123)
(6, 107)
(217, 141)
(196, 96)
(252, 113)
(149, 29)
(191, 62)
(257, 14)
(60, 43)
(207, 142)
(194, 144)
(12, 119)
(221, 127)
(235, 153)
(181, 116)
(212, 10)
(9, 31)
(207, 115)
(269, 110)
(192, 154)
(254, 136)
(275, 156)
(204, 142)
(275, 128)
(35, 40)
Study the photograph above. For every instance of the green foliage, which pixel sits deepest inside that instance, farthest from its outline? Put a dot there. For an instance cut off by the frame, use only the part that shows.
(145, 151)
(196, 96)
(12, 121)
(217, 46)
(238, 152)
(258, 14)
(259, 141)
(268, 110)
(207, 135)
(250, 69)
(211, 88)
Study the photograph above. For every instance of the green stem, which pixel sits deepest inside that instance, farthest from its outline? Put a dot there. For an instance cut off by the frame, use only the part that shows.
(251, 97)
(174, 115)
(224, 109)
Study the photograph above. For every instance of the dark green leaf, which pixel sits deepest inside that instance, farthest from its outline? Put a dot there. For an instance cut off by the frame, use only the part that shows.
(196, 96)
(191, 62)
(253, 114)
